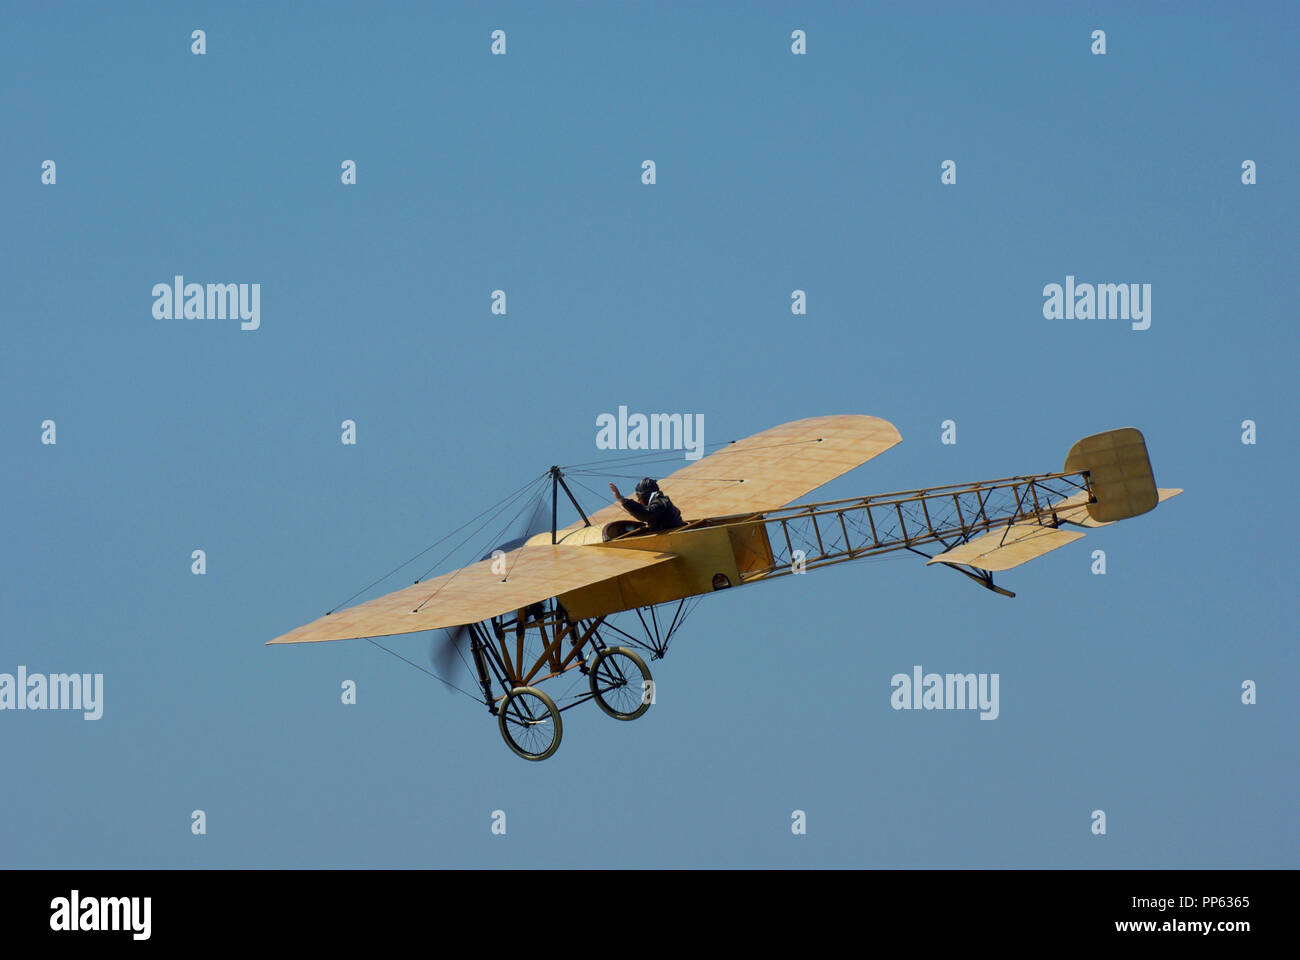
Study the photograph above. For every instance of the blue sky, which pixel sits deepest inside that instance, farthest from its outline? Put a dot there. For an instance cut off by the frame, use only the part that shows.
(775, 172)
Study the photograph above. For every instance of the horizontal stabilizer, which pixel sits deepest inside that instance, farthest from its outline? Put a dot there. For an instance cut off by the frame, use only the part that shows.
(1075, 510)
(1007, 547)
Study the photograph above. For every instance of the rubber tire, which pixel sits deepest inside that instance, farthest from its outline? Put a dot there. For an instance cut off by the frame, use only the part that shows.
(554, 715)
(594, 671)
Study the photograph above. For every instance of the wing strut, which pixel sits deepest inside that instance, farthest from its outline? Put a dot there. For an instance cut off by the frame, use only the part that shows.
(983, 577)
(557, 480)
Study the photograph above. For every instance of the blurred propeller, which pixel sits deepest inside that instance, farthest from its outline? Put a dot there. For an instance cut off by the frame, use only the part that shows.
(449, 650)
(445, 649)
(531, 523)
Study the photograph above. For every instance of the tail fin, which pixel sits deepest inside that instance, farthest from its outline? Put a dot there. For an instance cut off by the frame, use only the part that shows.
(1119, 474)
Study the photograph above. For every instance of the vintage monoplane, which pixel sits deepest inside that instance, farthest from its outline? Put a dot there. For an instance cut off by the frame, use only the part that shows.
(544, 608)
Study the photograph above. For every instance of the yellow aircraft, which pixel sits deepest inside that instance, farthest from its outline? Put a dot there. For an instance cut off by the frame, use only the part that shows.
(544, 609)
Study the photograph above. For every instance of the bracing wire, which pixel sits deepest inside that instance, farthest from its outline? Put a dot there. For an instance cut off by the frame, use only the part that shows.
(425, 670)
(505, 506)
(499, 503)
(659, 455)
(456, 573)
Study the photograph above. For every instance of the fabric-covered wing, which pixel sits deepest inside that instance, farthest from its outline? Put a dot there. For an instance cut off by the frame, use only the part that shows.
(776, 466)
(476, 593)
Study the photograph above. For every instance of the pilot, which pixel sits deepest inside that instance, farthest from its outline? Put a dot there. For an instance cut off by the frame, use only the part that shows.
(651, 506)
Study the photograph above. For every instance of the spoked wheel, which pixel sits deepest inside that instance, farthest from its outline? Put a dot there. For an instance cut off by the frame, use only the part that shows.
(530, 723)
(620, 682)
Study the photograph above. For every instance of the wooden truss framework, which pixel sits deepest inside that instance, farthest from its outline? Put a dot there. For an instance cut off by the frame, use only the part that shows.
(817, 535)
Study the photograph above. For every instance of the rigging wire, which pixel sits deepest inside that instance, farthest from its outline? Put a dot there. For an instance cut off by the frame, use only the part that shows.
(633, 476)
(531, 507)
(423, 670)
(495, 510)
(584, 486)
(504, 507)
(456, 573)
(636, 457)
(508, 497)
(659, 454)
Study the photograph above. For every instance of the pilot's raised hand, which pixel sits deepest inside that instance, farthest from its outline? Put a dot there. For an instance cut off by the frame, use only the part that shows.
(618, 497)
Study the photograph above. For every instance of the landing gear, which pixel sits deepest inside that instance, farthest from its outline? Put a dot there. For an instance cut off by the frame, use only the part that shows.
(514, 656)
(621, 683)
(530, 723)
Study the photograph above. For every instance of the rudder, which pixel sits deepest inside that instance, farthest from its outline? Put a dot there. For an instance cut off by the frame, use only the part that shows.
(1119, 473)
